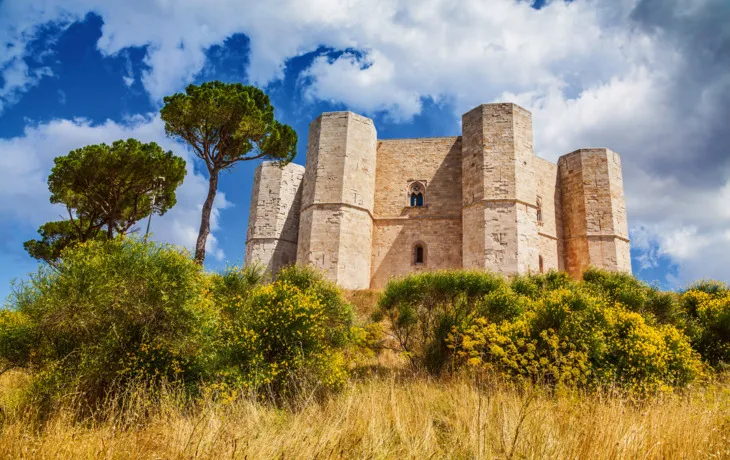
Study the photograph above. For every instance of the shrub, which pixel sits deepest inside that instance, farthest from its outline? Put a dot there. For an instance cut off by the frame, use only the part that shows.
(289, 332)
(423, 309)
(655, 306)
(123, 315)
(645, 358)
(708, 305)
(571, 337)
(17, 337)
(545, 328)
(535, 285)
(111, 313)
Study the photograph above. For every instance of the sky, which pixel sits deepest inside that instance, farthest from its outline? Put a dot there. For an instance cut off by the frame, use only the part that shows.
(649, 79)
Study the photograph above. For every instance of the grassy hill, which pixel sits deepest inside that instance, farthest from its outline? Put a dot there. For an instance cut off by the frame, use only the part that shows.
(129, 349)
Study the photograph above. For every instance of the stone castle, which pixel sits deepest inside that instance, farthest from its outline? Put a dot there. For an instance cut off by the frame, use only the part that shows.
(365, 209)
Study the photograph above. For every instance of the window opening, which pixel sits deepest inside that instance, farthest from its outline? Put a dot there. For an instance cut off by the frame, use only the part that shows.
(418, 254)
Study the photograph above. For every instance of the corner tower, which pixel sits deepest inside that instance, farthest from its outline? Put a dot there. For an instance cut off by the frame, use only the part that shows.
(499, 215)
(594, 211)
(336, 223)
(273, 223)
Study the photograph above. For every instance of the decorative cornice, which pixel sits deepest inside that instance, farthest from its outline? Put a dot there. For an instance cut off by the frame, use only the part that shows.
(500, 200)
(270, 238)
(599, 235)
(346, 205)
(442, 217)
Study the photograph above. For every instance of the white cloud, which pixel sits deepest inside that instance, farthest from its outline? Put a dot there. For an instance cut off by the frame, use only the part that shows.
(27, 160)
(643, 77)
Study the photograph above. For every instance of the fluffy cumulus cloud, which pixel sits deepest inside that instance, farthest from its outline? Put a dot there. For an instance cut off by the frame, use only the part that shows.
(648, 78)
(27, 160)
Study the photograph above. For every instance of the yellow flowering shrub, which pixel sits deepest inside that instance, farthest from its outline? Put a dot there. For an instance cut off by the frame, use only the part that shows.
(284, 334)
(572, 337)
(646, 358)
(708, 305)
(610, 330)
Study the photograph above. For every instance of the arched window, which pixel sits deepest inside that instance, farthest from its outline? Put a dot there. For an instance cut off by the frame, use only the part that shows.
(416, 199)
(539, 261)
(419, 254)
(416, 191)
(539, 211)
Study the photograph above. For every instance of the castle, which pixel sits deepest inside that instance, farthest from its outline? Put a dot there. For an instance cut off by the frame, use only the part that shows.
(365, 209)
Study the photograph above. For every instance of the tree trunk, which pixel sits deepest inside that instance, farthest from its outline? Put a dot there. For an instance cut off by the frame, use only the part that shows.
(205, 219)
(110, 229)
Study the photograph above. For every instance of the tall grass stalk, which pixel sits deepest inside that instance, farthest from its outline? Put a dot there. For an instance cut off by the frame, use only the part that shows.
(386, 417)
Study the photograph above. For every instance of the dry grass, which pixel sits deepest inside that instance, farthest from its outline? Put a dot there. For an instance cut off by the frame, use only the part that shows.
(364, 302)
(394, 417)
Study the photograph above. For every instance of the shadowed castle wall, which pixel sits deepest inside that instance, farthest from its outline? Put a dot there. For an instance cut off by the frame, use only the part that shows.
(550, 227)
(273, 224)
(435, 163)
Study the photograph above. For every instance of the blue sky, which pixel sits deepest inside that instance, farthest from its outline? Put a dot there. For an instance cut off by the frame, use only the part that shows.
(648, 79)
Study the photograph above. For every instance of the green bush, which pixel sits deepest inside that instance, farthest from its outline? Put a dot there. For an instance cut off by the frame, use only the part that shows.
(288, 333)
(125, 314)
(708, 306)
(110, 313)
(422, 310)
(655, 306)
(544, 328)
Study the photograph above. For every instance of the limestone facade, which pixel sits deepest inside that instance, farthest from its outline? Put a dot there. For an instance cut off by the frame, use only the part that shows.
(366, 210)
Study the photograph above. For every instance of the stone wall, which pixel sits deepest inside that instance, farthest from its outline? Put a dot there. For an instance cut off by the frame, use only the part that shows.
(337, 199)
(273, 225)
(499, 191)
(483, 191)
(594, 210)
(550, 227)
(435, 163)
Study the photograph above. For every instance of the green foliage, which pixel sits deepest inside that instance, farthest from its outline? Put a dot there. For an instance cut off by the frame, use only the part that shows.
(288, 333)
(17, 338)
(544, 328)
(122, 313)
(228, 122)
(112, 312)
(59, 235)
(117, 313)
(423, 308)
(656, 306)
(708, 305)
(225, 123)
(113, 185)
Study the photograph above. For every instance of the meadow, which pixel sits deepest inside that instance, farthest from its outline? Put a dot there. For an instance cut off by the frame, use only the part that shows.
(130, 350)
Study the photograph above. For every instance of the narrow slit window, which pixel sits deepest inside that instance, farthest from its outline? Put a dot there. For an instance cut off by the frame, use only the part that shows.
(418, 254)
(539, 260)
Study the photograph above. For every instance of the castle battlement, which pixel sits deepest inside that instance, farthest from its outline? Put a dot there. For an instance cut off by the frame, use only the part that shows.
(365, 209)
